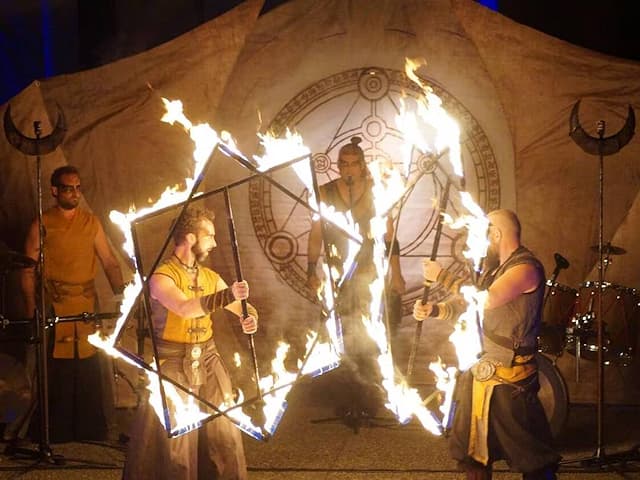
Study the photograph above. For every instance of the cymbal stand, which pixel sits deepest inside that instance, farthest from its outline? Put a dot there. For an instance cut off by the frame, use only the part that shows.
(602, 146)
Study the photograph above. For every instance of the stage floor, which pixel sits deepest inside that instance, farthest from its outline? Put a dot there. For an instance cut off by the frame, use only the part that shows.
(305, 447)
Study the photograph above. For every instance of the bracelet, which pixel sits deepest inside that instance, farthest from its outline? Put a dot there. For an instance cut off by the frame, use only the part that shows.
(214, 301)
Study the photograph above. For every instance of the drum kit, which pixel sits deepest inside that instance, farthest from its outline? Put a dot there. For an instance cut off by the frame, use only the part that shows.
(569, 324)
(19, 384)
(569, 320)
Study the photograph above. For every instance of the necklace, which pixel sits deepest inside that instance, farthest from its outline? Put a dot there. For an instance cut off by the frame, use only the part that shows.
(188, 268)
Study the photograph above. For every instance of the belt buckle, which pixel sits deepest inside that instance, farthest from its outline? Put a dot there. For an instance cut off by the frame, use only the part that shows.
(483, 370)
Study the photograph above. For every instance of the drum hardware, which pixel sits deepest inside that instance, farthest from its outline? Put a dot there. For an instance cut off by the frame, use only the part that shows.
(37, 147)
(561, 264)
(620, 315)
(557, 308)
(602, 146)
(608, 249)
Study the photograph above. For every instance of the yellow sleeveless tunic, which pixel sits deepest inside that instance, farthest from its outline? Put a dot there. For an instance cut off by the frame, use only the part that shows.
(173, 328)
(69, 272)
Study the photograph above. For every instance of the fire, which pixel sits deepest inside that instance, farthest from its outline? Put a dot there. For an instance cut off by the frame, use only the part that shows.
(184, 410)
(429, 115)
(281, 150)
(186, 414)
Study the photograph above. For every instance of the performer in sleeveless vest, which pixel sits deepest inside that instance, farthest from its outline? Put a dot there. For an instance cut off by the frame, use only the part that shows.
(74, 242)
(499, 415)
(184, 294)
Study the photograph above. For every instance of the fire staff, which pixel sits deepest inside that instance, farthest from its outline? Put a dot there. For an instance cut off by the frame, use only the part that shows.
(184, 294)
(499, 415)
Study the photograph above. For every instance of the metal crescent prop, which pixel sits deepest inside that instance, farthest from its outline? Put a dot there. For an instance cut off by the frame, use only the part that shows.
(601, 146)
(34, 146)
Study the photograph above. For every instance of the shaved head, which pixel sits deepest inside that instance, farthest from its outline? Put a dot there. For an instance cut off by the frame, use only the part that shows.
(507, 221)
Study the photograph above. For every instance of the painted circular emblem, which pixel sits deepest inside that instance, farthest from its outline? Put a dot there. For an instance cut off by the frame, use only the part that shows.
(364, 102)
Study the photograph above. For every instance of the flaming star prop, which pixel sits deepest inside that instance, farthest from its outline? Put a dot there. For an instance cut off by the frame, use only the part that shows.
(179, 409)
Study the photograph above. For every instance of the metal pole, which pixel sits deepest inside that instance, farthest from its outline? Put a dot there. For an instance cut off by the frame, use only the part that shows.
(425, 293)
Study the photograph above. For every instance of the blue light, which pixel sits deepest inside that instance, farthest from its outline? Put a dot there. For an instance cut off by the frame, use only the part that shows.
(492, 4)
(47, 43)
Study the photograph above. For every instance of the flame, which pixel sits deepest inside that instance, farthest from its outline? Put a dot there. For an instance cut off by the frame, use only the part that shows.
(429, 115)
(281, 150)
(184, 410)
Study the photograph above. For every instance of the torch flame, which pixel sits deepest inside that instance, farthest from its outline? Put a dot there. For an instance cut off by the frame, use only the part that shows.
(467, 335)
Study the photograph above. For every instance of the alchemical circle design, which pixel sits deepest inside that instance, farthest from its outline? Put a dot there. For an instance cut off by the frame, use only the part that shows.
(363, 102)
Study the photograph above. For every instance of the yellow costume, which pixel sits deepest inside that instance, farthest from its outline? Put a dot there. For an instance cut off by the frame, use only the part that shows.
(69, 272)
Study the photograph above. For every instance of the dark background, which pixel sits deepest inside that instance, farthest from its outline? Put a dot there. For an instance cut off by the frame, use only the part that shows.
(43, 38)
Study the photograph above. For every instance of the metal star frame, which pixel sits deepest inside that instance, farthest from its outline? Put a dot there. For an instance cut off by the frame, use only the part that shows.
(174, 427)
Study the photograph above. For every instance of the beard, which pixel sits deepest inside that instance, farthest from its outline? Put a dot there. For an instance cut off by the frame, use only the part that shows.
(200, 253)
(68, 204)
(492, 260)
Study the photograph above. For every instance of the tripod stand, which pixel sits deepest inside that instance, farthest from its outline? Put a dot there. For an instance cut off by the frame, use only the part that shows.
(36, 147)
(602, 146)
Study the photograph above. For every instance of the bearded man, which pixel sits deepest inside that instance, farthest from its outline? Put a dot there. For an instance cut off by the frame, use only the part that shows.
(184, 294)
(74, 243)
(499, 415)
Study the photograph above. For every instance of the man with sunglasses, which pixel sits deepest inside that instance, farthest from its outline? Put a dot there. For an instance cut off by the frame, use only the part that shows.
(499, 415)
(74, 243)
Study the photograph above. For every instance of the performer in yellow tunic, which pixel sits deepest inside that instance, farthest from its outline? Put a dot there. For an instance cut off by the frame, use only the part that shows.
(184, 294)
(499, 415)
(74, 242)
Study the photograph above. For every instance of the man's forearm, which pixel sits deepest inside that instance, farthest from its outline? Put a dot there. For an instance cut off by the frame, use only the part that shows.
(114, 276)
(313, 247)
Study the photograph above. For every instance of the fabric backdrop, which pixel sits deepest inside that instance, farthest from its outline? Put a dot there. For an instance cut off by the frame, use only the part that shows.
(332, 69)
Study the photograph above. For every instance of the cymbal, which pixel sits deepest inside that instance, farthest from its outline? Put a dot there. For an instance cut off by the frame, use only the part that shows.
(608, 249)
(12, 260)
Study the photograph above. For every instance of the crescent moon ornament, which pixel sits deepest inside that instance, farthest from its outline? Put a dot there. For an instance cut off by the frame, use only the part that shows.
(601, 145)
(38, 145)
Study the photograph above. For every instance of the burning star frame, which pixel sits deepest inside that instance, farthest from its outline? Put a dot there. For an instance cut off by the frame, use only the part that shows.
(179, 409)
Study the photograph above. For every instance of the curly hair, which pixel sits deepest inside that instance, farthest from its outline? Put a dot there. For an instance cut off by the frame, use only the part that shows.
(190, 222)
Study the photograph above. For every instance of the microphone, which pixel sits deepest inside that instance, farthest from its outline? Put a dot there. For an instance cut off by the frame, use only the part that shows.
(349, 181)
(561, 262)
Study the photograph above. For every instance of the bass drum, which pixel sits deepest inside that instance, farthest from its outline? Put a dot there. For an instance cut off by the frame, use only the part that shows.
(553, 394)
